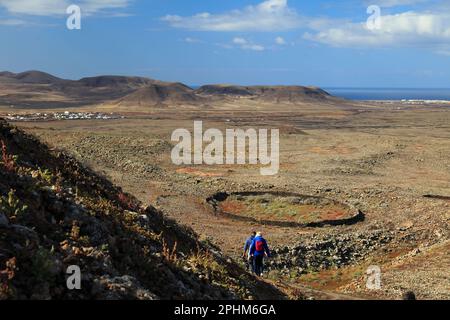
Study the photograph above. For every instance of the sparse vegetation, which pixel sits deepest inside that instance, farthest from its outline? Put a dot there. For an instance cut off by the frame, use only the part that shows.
(8, 160)
(76, 217)
(6, 275)
(380, 157)
(12, 207)
(278, 208)
(169, 254)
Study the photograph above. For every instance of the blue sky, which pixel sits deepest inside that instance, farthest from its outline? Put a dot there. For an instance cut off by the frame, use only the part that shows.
(324, 43)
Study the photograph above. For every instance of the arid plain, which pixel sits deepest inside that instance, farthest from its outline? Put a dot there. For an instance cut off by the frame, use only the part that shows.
(386, 162)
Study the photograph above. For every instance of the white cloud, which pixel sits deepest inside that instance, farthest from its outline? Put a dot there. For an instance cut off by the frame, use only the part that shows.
(280, 41)
(35, 7)
(58, 7)
(270, 15)
(241, 41)
(93, 6)
(427, 29)
(393, 3)
(404, 29)
(247, 45)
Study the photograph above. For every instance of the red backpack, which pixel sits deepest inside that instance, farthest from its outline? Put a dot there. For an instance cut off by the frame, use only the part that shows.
(259, 246)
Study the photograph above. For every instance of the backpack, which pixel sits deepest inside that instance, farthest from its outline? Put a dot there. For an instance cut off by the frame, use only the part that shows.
(259, 245)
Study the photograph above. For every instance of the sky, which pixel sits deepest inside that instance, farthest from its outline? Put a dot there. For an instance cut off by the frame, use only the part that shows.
(326, 43)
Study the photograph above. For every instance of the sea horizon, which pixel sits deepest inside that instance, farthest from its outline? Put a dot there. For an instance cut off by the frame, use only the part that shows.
(376, 94)
(398, 94)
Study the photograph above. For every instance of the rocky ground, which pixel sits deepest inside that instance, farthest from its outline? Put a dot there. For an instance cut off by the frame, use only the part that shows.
(55, 212)
(380, 159)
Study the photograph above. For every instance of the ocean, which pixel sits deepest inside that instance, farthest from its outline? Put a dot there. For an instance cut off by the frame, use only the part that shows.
(386, 93)
(390, 94)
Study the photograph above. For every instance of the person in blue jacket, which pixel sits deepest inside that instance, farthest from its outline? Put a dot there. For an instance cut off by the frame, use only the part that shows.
(259, 249)
(246, 255)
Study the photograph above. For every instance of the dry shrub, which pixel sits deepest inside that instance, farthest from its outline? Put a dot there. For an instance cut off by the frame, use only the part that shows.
(9, 161)
(168, 254)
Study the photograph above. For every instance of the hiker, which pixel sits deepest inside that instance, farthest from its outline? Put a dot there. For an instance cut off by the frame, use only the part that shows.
(258, 249)
(246, 255)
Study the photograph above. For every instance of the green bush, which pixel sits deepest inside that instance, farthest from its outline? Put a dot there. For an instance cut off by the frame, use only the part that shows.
(10, 205)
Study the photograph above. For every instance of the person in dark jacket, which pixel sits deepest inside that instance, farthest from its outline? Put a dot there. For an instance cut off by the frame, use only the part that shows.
(246, 255)
(259, 249)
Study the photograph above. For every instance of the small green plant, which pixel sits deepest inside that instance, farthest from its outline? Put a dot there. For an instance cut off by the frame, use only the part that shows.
(46, 175)
(293, 274)
(11, 206)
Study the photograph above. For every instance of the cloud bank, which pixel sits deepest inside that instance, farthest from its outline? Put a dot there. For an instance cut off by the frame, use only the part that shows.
(424, 29)
(58, 7)
(270, 15)
(404, 29)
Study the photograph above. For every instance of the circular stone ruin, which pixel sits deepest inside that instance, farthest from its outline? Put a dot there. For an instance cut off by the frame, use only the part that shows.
(284, 209)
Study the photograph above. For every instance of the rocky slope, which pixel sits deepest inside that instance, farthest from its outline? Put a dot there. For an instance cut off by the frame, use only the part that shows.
(55, 212)
(331, 251)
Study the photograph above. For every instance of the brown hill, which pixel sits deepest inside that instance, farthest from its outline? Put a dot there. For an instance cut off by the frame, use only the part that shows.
(289, 93)
(121, 82)
(34, 89)
(267, 93)
(103, 88)
(162, 93)
(31, 77)
(6, 77)
(225, 90)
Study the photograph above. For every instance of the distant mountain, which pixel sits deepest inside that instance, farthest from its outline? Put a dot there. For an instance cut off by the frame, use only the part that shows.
(29, 89)
(226, 90)
(34, 77)
(290, 93)
(36, 89)
(38, 77)
(163, 93)
(267, 93)
(117, 82)
(7, 74)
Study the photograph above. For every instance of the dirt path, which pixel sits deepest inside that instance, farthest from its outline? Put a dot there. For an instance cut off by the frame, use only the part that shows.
(294, 290)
